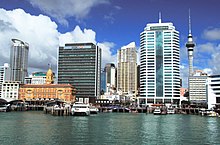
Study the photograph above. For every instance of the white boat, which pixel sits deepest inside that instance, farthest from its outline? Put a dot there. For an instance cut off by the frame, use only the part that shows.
(4, 108)
(80, 109)
(157, 111)
(170, 111)
(212, 114)
(93, 110)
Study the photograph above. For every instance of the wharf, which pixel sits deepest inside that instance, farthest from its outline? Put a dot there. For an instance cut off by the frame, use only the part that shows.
(194, 111)
(66, 111)
(62, 111)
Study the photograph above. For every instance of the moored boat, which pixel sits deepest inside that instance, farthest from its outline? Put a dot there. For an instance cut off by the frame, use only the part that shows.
(93, 110)
(157, 111)
(4, 108)
(170, 111)
(80, 109)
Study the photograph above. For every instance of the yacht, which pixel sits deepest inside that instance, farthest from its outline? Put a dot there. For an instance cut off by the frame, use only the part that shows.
(157, 111)
(80, 109)
(170, 111)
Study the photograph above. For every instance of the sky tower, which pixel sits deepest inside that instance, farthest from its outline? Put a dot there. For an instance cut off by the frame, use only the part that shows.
(190, 46)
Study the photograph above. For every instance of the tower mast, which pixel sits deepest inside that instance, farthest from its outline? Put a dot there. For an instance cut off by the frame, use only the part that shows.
(190, 47)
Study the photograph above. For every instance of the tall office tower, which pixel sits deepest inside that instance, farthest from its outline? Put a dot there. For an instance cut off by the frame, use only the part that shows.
(79, 64)
(190, 46)
(138, 79)
(197, 85)
(19, 60)
(159, 64)
(110, 71)
(4, 75)
(127, 69)
(103, 81)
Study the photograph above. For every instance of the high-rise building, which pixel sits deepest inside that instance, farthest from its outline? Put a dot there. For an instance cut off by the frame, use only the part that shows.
(79, 64)
(110, 71)
(159, 64)
(19, 60)
(197, 85)
(213, 90)
(103, 81)
(127, 69)
(4, 75)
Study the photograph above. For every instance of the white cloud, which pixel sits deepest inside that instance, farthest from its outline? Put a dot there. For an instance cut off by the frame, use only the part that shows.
(212, 34)
(107, 56)
(207, 57)
(207, 48)
(39, 31)
(77, 35)
(62, 9)
(208, 71)
(43, 37)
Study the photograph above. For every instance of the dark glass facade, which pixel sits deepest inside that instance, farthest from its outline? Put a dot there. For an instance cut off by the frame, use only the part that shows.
(79, 64)
(159, 64)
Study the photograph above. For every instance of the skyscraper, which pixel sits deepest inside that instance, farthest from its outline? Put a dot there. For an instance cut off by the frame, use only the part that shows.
(110, 71)
(79, 64)
(127, 69)
(190, 46)
(19, 60)
(159, 64)
(4, 75)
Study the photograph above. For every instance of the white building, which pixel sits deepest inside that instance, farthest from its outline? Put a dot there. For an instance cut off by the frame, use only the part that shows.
(159, 64)
(36, 78)
(4, 74)
(19, 60)
(10, 91)
(213, 90)
(197, 87)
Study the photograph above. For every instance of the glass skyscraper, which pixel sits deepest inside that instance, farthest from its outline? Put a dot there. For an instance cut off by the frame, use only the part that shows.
(159, 64)
(79, 64)
(19, 60)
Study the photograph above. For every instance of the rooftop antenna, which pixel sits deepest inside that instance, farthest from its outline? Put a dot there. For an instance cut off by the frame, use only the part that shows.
(159, 17)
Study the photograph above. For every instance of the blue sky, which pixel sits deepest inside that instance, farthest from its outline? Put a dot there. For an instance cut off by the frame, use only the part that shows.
(46, 24)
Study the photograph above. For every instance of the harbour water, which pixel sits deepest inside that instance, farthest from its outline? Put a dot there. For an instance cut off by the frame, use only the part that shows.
(36, 128)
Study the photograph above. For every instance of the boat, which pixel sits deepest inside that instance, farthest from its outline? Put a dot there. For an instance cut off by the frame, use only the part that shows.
(157, 111)
(212, 114)
(4, 108)
(80, 109)
(170, 111)
(93, 110)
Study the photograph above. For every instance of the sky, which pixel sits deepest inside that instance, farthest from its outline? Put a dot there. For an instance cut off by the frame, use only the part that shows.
(47, 24)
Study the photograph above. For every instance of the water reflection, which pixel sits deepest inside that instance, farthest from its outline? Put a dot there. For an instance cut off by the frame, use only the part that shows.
(108, 128)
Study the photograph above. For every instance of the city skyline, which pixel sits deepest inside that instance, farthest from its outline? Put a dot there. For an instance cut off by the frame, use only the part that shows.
(111, 24)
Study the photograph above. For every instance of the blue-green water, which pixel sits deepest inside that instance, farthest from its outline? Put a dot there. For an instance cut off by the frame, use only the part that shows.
(27, 128)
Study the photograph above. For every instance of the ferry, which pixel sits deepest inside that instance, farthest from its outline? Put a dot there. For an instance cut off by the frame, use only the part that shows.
(157, 111)
(80, 109)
